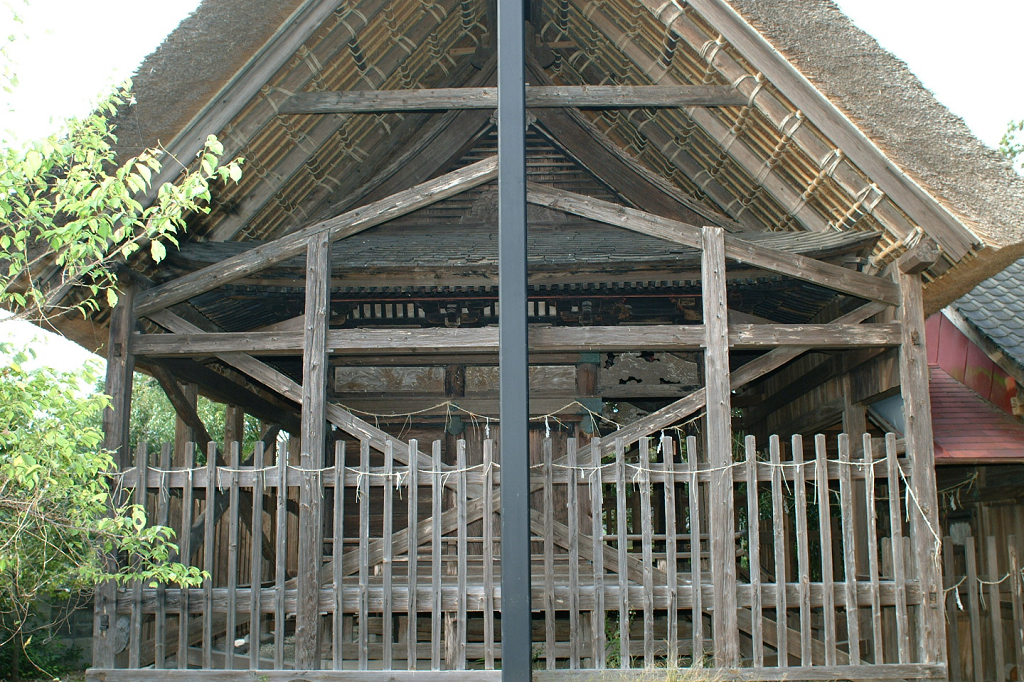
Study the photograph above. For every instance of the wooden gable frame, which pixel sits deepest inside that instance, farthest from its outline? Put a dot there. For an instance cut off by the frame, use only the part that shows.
(396, 185)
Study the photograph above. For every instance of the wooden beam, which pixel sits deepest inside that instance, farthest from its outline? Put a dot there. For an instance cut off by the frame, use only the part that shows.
(285, 386)
(924, 513)
(537, 96)
(294, 244)
(314, 444)
(818, 375)
(120, 369)
(919, 258)
(484, 340)
(719, 447)
(794, 265)
(184, 405)
(223, 388)
(743, 375)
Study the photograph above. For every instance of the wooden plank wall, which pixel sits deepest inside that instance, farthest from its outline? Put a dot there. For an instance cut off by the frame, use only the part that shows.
(614, 589)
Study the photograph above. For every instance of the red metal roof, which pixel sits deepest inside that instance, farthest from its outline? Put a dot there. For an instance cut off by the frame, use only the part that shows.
(968, 429)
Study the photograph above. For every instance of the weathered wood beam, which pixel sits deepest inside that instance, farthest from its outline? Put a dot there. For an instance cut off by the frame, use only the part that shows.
(719, 446)
(484, 340)
(751, 371)
(924, 512)
(807, 382)
(919, 258)
(314, 445)
(115, 420)
(184, 408)
(285, 386)
(294, 244)
(537, 96)
(794, 265)
(224, 389)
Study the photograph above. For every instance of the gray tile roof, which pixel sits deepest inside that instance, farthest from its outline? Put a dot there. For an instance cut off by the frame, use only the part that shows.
(996, 308)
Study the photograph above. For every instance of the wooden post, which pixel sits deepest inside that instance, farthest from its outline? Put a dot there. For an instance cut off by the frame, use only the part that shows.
(719, 432)
(234, 426)
(183, 433)
(314, 434)
(120, 367)
(924, 519)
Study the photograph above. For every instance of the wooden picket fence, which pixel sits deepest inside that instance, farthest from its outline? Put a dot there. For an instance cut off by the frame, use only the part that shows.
(984, 608)
(825, 577)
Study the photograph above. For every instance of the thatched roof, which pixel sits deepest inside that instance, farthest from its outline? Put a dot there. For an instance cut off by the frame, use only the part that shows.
(837, 135)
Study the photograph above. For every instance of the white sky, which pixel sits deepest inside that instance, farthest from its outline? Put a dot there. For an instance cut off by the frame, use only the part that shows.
(70, 51)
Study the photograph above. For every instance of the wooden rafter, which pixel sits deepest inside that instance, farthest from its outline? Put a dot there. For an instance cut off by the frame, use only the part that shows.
(298, 156)
(294, 244)
(792, 265)
(779, 188)
(437, 145)
(537, 96)
(955, 238)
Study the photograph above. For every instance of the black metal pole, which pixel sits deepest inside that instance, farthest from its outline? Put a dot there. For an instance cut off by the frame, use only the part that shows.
(516, 638)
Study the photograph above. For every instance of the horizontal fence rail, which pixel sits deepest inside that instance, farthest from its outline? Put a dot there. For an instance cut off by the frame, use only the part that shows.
(410, 564)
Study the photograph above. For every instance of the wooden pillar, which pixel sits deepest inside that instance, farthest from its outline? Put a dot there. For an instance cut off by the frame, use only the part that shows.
(234, 425)
(314, 437)
(454, 388)
(120, 368)
(924, 518)
(586, 389)
(719, 442)
(183, 433)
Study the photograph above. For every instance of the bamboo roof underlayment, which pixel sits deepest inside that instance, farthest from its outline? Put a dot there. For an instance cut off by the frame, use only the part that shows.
(825, 133)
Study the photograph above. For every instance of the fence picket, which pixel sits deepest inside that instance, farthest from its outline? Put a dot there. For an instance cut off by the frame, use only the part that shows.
(697, 612)
(849, 549)
(781, 547)
(597, 618)
(184, 620)
(281, 565)
(995, 607)
(412, 621)
(671, 552)
(338, 551)
(828, 595)
(754, 552)
(898, 563)
(163, 508)
(231, 627)
(572, 507)
(803, 550)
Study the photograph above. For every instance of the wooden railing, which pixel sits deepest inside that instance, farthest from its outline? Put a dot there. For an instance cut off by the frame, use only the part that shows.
(826, 575)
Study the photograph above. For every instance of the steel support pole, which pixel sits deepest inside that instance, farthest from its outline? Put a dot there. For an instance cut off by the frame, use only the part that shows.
(516, 638)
